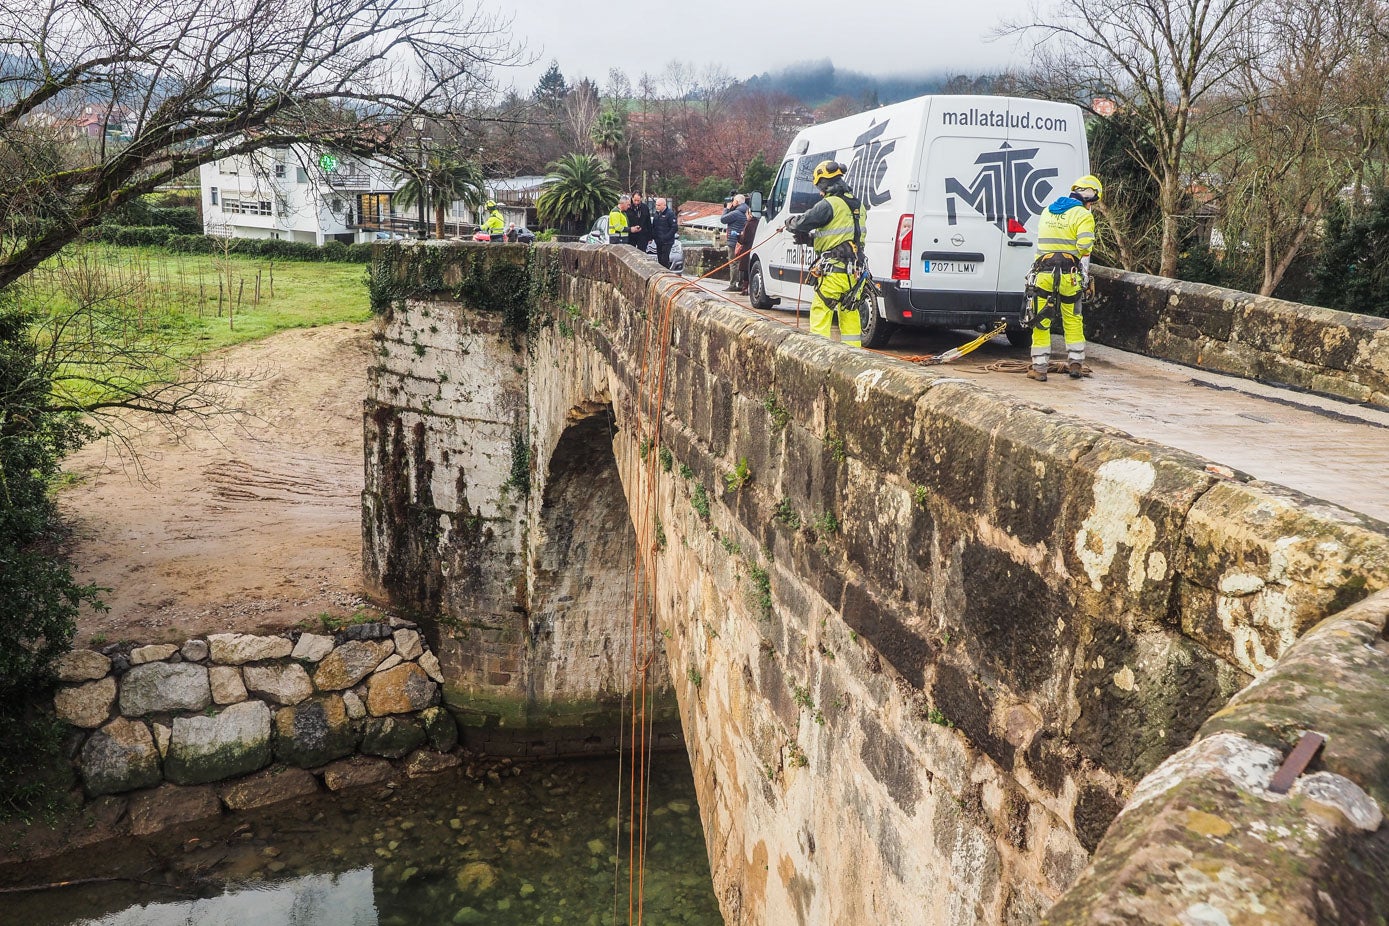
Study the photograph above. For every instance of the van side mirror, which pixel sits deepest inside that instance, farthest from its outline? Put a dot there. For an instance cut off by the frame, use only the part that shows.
(756, 203)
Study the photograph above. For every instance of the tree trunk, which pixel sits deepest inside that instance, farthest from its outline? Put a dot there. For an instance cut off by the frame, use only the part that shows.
(439, 220)
(1171, 235)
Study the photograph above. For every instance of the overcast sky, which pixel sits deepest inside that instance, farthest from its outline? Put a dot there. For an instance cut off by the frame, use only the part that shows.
(748, 37)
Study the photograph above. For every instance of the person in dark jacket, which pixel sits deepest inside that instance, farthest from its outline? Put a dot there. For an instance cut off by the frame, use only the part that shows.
(638, 223)
(664, 227)
(736, 218)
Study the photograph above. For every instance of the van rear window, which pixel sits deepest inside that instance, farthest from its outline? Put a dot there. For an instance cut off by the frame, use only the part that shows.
(803, 191)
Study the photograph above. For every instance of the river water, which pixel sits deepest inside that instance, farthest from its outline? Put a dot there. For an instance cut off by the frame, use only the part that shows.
(533, 848)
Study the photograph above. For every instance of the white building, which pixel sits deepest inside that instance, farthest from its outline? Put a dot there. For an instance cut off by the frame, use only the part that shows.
(301, 194)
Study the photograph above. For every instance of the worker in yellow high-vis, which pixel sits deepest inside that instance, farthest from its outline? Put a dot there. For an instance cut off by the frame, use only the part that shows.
(1060, 275)
(834, 227)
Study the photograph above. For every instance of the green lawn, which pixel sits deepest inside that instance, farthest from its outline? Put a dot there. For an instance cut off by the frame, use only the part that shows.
(125, 316)
(178, 293)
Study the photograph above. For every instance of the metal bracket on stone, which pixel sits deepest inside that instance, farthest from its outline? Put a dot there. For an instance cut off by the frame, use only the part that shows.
(1297, 761)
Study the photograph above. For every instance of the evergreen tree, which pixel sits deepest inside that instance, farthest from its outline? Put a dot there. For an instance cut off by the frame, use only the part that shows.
(552, 88)
(578, 189)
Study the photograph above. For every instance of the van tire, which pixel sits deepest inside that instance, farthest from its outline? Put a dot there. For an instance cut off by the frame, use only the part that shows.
(1018, 337)
(757, 287)
(876, 330)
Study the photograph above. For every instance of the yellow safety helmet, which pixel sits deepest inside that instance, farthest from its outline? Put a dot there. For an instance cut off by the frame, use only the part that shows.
(827, 170)
(1088, 184)
(491, 204)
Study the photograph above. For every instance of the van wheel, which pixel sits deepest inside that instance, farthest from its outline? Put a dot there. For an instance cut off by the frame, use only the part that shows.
(876, 329)
(757, 287)
(1018, 337)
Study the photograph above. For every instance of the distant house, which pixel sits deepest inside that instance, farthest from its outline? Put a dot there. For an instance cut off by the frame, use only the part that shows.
(302, 194)
(694, 214)
(93, 121)
(514, 196)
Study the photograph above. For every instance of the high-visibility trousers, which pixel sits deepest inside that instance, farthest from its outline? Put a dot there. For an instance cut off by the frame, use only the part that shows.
(828, 295)
(1072, 324)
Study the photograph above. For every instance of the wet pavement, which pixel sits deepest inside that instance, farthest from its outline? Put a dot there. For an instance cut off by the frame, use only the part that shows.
(1330, 449)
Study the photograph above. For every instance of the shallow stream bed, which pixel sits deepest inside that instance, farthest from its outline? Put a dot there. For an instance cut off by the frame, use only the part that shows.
(534, 848)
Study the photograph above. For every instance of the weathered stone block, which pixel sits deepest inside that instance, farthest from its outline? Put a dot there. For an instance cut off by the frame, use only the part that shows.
(234, 742)
(356, 772)
(312, 647)
(349, 663)
(272, 786)
(234, 649)
(401, 690)
(157, 652)
(424, 762)
(86, 705)
(164, 686)
(171, 805)
(227, 684)
(121, 756)
(281, 684)
(314, 732)
(81, 665)
(407, 643)
(392, 737)
(194, 651)
(440, 727)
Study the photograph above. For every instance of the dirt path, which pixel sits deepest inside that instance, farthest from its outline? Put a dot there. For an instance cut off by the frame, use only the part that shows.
(245, 527)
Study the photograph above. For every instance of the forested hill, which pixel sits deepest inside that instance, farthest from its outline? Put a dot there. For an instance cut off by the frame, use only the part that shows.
(816, 82)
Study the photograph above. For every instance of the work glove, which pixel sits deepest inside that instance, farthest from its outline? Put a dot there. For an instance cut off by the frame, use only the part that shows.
(801, 237)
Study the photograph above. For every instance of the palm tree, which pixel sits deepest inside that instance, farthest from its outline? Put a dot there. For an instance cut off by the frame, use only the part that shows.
(578, 189)
(609, 132)
(443, 181)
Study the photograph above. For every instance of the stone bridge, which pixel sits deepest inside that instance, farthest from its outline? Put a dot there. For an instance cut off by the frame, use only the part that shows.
(923, 641)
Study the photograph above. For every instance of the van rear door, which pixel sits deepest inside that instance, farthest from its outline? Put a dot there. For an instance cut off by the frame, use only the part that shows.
(1049, 138)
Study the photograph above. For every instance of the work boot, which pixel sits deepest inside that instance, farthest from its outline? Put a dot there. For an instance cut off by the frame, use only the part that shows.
(1037, 373)
(1073, 369)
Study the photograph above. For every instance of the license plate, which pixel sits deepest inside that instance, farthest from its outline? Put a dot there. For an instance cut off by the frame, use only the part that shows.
(950, 266)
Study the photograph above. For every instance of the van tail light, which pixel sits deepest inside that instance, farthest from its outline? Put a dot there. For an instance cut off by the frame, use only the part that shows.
(902, 262)
(1016, 228)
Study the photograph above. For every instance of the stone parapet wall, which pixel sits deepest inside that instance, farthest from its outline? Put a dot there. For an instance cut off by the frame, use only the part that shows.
(1258, 337)
(930, 639)
(1205, 840)
(230, 705)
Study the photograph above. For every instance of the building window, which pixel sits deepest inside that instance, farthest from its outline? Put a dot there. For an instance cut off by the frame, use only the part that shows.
(301, 175)
(231, 206)
(275, 235)
(264, 208)
(336, 205)
(214, 196)
(279, 172)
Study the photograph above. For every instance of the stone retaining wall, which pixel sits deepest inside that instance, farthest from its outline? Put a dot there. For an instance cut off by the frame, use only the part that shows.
(230, 705)
(1258, 337)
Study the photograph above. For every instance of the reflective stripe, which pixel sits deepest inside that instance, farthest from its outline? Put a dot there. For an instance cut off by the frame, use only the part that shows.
(1065, 241)
(847, 230)
(840, 228)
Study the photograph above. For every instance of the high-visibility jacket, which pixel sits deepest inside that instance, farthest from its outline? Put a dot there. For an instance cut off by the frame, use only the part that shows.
(845, 225)
(617, 223)
(495, 224)
(1069, 232)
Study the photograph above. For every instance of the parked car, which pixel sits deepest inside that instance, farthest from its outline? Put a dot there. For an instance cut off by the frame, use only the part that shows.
(523, 234)
(677, 255)
(387, 236)
(598, 234)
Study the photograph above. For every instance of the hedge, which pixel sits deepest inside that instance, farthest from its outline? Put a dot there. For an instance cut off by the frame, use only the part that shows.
(167, 236)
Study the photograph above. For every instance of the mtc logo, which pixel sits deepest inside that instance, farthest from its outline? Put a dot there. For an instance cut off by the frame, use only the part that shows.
(1006, 187)
(869, 166)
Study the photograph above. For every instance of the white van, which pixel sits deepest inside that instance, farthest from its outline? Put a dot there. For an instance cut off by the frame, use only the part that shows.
(954, 187)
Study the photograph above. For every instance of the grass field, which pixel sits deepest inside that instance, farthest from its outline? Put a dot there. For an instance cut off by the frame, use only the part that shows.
(120, 320)
(178, 294)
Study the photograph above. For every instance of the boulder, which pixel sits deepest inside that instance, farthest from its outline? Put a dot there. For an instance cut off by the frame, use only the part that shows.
(424, 762)
(157, 652)
(194, 650)
(348, 664)
(401, 690)
(390, 662)
(225, 745)
(164, 686)
(81, 665)
(86, 705)
(356, 772)
(440, 727)
(234, 649)
(356, 710)
(430, 663)
(314, 732)
(282, 684)
(312, 647)
(171, 805)
(407, 644)
(227, 686)
(392, 737)
(121, 756)
(376, 630)
(272, 786)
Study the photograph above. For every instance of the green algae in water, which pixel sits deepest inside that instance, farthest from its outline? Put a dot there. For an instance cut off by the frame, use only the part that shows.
(534, 849)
